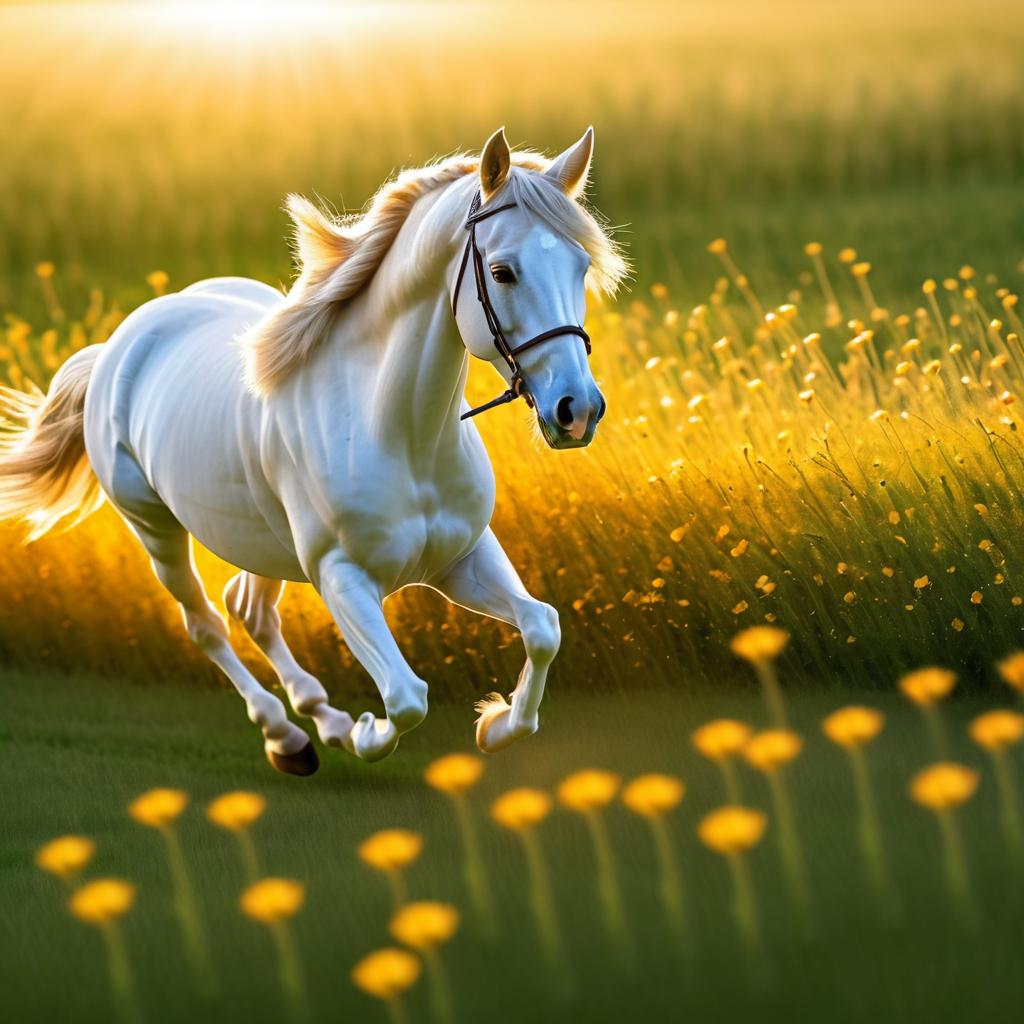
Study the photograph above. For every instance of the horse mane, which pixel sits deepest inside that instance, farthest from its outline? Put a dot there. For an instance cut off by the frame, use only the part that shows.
(338, 256)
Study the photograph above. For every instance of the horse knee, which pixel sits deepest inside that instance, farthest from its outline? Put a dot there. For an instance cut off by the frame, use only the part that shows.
(207, 630)
(541, 632)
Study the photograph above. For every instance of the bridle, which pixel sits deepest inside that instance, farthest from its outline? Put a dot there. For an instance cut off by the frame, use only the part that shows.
(517, 385)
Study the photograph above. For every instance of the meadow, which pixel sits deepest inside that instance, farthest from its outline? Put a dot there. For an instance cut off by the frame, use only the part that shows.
(814, 383)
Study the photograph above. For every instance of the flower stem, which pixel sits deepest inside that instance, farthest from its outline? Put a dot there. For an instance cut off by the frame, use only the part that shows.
(608, 887)
(291, 974)
(1013, 831)
(733, 794)
(250, 862)
(121, 984)
(473, 866)
(192, 935)
(772, 694)
(956, 868)
(543, 910)
(790, 851)
(870, 835)
(399, 894)
(672, 899)
(441, 1004)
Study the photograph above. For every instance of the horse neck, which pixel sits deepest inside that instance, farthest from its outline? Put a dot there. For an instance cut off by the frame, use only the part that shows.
(419, 364)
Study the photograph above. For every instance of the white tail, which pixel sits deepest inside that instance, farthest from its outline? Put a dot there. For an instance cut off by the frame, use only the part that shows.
(45, 476)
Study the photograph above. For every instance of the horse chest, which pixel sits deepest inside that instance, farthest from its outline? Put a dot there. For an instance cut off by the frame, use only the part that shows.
(405, 530)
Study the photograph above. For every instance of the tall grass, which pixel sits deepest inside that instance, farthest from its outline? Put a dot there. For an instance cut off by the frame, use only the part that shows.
(870, 505)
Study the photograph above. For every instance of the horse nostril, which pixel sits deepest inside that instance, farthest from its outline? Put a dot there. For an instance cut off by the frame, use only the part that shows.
(601, 409)
(563, 411)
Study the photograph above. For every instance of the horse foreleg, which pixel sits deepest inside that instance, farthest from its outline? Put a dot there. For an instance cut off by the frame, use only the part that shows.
(252, 600)
(354, 602)
(485, 581)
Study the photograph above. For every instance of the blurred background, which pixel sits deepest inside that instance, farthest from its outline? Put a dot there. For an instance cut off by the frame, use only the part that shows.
(142, 136)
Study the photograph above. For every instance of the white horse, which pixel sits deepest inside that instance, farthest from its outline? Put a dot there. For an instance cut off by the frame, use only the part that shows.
(317, 436)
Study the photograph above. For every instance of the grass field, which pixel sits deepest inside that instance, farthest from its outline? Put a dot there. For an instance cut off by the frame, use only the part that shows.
(848, 467)
(75, 751)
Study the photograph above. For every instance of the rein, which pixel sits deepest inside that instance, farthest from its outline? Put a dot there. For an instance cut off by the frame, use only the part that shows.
(517, 386)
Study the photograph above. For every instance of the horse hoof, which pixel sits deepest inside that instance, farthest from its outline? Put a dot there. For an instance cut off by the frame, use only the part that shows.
(495, 729)
(373, 738)
(302, 762)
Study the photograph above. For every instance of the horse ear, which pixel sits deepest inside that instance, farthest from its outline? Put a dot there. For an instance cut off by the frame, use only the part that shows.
(495, 162)
(569, 170)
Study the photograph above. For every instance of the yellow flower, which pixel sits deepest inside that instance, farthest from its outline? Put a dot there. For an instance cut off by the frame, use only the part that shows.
(158, 281)
(1012, 670)
(102, 901)
(66, 855)
(387, 973)
(654, 794)
(272, 899)
(813, 248)
(927, 685)
(997, 730)
(236, 810)
(943, 785)
(847, 255)
(760, 643)
(853, 726)
(158, 807)
(732, 829)
(772, 748)
(391, 849)
(454, 773)
(425, 924)
(521, 809)
(724, 737)
(718, 246)
(588, 790)
(45, 270)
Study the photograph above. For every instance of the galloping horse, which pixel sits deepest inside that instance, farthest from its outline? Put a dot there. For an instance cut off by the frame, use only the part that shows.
(323, 435)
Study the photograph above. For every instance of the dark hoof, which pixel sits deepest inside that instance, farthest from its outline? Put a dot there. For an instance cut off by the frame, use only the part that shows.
(302, 762)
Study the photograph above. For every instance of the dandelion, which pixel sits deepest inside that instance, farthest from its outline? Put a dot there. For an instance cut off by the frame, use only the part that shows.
(732, 831)
(159, 809)
(1012, 671)
(386, 975)
(44, 273)
(853, 728)
(721, 741)
(66, 856)
(769, 751)
(391, 851)
(926, 687)
(273, 902)
(588, 792)
(652, 797)
(236, 812)
(103, 903)
(454, 775)
(521, 811)
(997, 731)
(942, 788)
(425, 926)
(761, 645)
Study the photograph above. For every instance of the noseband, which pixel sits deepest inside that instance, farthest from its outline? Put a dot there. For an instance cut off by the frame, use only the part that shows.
(517, 385)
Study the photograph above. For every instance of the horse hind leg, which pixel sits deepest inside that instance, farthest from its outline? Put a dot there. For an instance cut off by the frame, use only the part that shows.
(287, 747)
(252, 600)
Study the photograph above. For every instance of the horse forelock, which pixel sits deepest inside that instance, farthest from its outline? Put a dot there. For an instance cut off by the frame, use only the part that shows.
(338, 256)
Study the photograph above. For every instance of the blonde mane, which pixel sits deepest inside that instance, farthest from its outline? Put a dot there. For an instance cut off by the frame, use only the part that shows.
(338, 256)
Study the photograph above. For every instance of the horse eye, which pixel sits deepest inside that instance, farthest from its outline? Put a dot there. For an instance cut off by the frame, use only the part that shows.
(503, 275)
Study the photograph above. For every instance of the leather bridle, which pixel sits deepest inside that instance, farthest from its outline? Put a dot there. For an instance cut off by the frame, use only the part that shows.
(517, 385)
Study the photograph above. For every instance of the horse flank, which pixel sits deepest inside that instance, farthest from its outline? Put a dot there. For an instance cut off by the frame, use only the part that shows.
(338, 257)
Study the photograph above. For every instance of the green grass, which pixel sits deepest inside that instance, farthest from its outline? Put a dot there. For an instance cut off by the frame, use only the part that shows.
(75, 750)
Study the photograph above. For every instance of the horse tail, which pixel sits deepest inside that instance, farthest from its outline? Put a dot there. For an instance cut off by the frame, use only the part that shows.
(45, 476)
